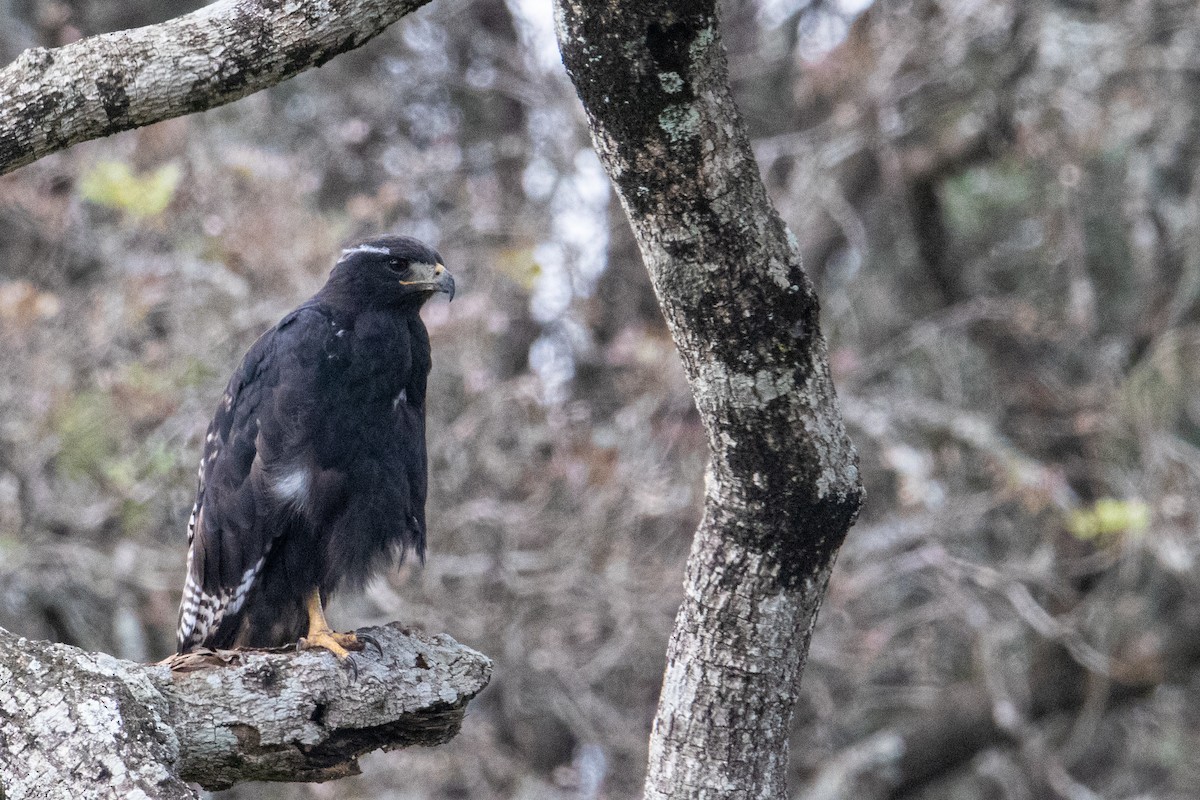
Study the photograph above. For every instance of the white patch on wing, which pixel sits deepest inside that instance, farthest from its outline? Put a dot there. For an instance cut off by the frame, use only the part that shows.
(292, 487)
(400, 398)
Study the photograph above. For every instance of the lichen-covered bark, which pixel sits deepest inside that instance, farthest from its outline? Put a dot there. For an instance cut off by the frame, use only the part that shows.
(51, 99)
(77, 725)
(783, 487)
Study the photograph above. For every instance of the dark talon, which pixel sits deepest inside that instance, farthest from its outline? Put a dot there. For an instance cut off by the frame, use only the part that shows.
(371, 640)
(353, 662)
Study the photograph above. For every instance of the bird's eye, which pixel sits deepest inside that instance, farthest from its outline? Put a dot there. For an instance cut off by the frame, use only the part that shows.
(395, 265)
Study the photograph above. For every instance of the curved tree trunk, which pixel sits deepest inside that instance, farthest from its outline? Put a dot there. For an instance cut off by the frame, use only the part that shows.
(783, 487)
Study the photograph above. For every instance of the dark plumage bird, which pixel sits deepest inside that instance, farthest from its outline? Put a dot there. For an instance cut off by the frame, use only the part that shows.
(314, 469)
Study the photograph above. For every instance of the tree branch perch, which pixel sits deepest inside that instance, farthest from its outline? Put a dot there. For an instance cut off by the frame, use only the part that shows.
(52, 99)
(75, 724)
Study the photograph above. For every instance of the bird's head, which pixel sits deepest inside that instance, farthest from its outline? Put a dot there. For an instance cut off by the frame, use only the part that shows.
(387, 272)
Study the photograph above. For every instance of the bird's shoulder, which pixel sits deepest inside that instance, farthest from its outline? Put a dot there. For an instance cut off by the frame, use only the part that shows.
(281, 355)
(307, 335)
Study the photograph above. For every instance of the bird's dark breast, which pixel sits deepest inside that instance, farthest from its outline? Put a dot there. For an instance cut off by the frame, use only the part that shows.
(373, 452)
(366, 462)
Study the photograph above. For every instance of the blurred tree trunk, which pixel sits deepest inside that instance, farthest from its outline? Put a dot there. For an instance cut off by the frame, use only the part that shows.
(783, 486)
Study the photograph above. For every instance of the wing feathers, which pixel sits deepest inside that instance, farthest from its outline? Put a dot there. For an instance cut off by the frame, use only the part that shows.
(232, 527)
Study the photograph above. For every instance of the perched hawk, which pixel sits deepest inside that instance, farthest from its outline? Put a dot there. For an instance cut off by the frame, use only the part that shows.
(314, 469)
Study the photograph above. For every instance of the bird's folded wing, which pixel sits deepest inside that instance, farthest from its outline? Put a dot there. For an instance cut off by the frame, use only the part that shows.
(245, 488)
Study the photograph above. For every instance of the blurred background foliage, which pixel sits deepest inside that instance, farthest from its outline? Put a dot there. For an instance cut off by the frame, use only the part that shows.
(998, 203)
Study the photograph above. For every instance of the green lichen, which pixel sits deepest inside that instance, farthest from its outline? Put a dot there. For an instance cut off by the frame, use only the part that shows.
(1108, 518)
(671, 82)
(112, 184)
(700, 45)
(680, 123)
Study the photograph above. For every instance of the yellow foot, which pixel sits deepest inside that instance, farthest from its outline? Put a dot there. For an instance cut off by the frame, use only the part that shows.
(337, 643)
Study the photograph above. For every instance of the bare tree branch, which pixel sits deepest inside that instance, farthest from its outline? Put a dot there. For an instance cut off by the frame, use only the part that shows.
(52, 99)
(783, 485)
(75, 724)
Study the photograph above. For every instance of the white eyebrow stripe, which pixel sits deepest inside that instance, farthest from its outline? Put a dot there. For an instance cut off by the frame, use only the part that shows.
(366, 248)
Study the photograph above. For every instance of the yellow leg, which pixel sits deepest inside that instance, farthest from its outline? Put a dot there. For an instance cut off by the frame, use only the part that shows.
(321, 635)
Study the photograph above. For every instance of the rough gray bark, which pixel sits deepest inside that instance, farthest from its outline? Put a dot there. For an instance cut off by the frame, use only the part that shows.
(51, 99)
(783, 486)
(77, 725)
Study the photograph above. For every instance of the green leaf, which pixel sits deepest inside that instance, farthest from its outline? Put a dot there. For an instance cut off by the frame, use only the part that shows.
(1108, 518)
(112, 184)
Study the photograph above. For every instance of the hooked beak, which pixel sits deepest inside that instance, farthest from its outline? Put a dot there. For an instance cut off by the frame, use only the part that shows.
(444, 281)
(434, 277)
